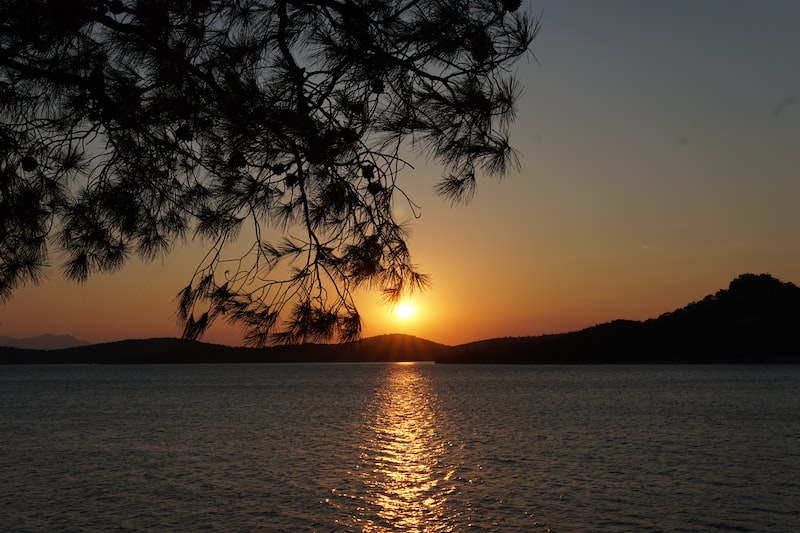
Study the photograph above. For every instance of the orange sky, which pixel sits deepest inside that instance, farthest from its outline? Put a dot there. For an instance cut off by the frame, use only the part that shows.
(660, 149)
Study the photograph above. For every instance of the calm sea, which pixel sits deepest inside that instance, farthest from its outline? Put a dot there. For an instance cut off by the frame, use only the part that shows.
(401, 448)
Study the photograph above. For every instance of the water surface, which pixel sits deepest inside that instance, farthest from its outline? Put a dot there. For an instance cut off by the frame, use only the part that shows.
(382, 447)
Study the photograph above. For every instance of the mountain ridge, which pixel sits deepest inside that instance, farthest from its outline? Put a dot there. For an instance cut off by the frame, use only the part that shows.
(46, 341)
(382, 348)
(755, 320)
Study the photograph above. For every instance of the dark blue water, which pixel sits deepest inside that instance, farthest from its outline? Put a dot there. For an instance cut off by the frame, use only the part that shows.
(379, 448)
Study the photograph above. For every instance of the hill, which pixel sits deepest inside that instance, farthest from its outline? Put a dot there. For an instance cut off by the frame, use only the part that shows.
(43, 342)
(385, 348)
(755, 320)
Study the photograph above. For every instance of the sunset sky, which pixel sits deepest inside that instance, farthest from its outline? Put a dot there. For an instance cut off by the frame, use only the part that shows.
(660, 151)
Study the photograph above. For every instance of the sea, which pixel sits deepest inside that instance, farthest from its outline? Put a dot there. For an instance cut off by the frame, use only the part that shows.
(399, 448)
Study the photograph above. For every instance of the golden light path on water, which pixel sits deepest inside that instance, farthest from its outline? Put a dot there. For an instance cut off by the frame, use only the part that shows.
(406, 482)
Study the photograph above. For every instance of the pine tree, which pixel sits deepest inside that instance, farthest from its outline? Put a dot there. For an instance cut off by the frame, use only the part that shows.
(127, 126)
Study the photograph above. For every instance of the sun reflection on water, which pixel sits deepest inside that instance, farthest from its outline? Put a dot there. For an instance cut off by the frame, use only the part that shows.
(405, 479)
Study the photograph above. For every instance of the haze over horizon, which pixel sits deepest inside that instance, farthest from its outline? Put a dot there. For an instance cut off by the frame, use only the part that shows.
(659, 158)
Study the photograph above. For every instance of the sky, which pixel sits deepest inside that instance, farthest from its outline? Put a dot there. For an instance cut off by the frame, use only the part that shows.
(660, 158)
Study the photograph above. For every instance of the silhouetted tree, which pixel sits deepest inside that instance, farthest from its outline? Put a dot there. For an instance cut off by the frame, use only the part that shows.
(130, 124)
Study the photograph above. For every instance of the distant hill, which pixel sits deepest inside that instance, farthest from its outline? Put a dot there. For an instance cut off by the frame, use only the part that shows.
(385, 348)
(43, 342)
(395, 347)
(755, 320)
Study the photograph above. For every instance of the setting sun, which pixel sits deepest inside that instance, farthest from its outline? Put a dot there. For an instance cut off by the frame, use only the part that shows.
(404, 310)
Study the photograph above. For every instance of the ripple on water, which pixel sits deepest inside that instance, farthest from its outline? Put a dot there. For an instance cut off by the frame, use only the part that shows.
(399, 448)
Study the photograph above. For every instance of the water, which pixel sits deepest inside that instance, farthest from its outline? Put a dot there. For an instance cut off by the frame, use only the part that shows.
(406, 448)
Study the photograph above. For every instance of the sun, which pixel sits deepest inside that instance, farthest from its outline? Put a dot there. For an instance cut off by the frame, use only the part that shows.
(404, 310)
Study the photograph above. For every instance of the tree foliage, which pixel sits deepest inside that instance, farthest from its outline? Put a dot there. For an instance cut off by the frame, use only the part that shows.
(129, 125)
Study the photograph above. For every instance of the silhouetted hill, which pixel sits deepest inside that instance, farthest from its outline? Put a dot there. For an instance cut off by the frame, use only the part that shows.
(43, 342)
(393, 347)
(755, 320)
(167, 350)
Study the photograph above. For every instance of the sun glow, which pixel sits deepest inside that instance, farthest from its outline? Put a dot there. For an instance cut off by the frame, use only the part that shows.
(404, 310)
